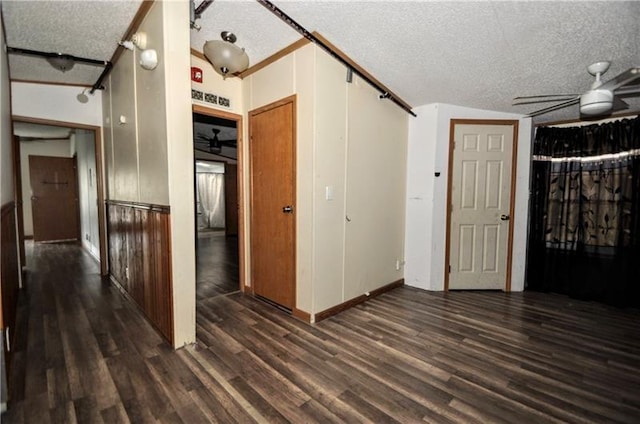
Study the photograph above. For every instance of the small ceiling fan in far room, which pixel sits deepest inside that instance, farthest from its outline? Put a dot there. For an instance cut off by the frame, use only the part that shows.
(601, 99)
(214, 143)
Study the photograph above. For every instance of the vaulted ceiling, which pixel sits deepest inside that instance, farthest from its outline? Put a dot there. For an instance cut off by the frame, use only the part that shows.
(476, 54)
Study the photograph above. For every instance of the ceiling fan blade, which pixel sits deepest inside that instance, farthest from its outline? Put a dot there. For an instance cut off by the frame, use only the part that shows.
(532, 101)
(622, 79)
(555, 107)
(619, 104)
(545, 95)
(629, 90)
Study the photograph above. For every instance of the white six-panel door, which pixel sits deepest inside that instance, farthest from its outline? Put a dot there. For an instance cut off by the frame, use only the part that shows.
(480, 206)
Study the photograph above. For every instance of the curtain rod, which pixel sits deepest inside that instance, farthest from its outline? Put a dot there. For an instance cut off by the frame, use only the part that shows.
(385, 94)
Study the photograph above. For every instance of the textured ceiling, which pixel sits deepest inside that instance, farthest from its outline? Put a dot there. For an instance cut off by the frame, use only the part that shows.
(476, 54)
(88, 29)
(38, 131)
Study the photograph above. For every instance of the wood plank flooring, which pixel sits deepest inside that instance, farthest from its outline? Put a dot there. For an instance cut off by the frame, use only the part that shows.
(216, 265)
(85, 354)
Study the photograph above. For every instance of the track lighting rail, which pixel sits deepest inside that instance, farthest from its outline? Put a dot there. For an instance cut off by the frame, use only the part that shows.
(27, 52)
(385, 93)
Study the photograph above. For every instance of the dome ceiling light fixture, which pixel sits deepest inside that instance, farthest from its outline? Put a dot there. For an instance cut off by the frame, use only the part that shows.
(225, 56)
(62, 62)
(65, 62)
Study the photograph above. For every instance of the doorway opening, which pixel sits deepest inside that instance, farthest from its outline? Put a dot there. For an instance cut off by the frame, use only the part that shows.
(58, 162)
(217, 147)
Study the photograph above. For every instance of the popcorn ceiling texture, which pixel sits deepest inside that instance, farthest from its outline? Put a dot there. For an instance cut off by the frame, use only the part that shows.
(89, 29)
(475, 54)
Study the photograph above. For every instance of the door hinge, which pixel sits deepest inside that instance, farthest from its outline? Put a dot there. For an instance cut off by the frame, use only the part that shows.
(449, 269)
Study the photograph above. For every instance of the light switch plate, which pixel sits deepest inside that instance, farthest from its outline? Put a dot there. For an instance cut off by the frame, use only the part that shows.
(328, 193)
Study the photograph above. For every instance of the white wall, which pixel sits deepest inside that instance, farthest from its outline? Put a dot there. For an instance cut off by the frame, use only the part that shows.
(56, 148)
(56, 103)
(88, 191)
(426, 194)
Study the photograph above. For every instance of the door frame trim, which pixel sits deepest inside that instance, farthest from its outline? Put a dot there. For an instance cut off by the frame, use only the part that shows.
(512, 196)
(203, 110)
(100, 187)
(293, 99)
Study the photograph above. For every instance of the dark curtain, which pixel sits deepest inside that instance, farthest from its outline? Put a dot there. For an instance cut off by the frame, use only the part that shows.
(584, 237)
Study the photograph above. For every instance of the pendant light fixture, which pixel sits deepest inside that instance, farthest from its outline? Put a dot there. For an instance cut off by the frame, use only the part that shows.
(225, 56)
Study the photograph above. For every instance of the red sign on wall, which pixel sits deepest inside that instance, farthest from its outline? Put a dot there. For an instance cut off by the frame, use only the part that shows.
(196, 74)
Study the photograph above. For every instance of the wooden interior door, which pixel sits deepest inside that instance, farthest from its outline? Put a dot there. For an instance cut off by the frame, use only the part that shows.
(272, 159)
(481, 187)
(54, 198)
(231, 199)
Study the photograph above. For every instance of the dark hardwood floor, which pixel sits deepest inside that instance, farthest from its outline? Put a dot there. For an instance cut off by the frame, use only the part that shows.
(85, 354)
(217, 265)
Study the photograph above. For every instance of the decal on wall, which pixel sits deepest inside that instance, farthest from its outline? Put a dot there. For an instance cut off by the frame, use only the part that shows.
(210, 98)
(196, 74)
(198, 95)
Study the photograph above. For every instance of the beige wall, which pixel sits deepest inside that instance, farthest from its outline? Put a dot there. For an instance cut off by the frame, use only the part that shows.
(180, 167)
(136, 151)
(6, 180)
(151, 102)
(85, 149)
(124, 166)
(375, 190)
(6, 162)
(353, 144)
(148, 143)
(213, 83)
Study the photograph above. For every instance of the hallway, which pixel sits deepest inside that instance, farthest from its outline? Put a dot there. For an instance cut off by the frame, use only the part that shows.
(88, 351)
(216, 265)
(85, 354)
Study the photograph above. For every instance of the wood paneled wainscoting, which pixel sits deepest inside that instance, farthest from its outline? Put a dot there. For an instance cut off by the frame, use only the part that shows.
(10, 274)
(139, 255)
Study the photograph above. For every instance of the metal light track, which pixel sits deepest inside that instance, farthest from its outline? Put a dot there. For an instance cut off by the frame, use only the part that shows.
(306, 34)
(95, 62)
(27, 52)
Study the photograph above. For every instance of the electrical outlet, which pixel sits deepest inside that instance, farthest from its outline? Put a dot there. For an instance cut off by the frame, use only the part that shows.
(397, 264)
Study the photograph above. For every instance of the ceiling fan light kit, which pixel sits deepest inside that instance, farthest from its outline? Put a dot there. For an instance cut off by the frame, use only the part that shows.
(225, 56)
(596, 102)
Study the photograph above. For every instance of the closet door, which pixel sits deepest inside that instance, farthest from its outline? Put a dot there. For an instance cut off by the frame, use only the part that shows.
(480, 198)
(272, 155)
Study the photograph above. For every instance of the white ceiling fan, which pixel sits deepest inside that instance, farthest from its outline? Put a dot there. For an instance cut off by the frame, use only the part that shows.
(601, 99)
